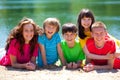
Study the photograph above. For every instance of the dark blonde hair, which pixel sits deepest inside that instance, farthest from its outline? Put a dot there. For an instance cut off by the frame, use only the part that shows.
(98, 24)
(16, 33)
(52, 21)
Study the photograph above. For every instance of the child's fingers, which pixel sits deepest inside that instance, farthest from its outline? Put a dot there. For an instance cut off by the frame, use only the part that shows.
(85, 68)
(30, 66)
(74, 66)
(69, 65)
(88, 67)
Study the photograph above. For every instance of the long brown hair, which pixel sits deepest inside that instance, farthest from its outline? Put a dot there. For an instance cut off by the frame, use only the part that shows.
(16, 33)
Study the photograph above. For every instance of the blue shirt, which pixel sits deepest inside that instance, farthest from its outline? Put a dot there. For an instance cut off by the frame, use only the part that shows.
(50, 48)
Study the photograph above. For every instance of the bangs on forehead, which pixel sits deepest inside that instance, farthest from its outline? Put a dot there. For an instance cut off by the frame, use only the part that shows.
(98, 24)
(86, 15)
(70, 29)
(51, 23)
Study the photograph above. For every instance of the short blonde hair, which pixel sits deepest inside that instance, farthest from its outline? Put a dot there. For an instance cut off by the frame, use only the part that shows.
(98, 24)
(52, 21)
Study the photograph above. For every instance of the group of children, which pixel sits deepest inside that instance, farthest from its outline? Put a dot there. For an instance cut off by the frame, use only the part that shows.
(89, 47)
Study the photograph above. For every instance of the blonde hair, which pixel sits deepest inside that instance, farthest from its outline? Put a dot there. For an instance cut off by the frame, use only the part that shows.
(52, 21)
(98, 24)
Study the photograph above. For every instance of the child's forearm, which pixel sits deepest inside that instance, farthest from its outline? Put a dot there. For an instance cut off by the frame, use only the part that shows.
(62, 60)
(17, 65)
(117, 54)
(14, 62)
(103, 67)
(44, 60)
(94, 56)
(108, 66)
(61, 56)
(42, 49)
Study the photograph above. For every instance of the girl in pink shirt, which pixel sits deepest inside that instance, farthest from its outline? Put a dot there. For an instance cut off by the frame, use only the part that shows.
(22, 46)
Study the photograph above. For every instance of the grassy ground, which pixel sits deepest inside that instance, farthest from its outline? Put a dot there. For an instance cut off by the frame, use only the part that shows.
(9, 73)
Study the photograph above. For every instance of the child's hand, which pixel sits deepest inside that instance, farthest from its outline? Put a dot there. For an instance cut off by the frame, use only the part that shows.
(117, 55)
(30, 66)
(40, 31)
(69, 66)
(88, 67)
(74, 66)
(110, 56)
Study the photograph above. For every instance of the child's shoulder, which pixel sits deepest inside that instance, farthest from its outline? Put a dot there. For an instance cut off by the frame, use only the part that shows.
(110, 41)
(42, 38)
(13, 41)
(56, 34)
(63, 41)
(90, 40)
(77, 41)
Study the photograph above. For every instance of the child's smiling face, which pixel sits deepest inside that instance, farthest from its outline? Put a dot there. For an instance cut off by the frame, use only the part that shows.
(50, 30)
(86, 22)
(99, 35)
(69, 37)
(28, 32)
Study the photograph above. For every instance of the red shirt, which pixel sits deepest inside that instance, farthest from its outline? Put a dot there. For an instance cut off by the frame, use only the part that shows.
(109, 46)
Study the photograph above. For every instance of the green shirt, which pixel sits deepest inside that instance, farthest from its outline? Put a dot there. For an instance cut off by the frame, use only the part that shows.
(73, 54)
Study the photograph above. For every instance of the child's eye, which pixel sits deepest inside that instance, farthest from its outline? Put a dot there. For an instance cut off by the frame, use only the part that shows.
(26, 30)
(89, 19)
(31, 30)
(66, 35)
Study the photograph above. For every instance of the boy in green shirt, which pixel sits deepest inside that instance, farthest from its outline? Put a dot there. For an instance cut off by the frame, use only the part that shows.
(71, 48)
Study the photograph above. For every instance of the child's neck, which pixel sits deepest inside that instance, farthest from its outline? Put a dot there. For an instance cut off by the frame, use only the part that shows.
(27, 42)
(49, 37)
(99, 46)
(70, 45)
(87, 29)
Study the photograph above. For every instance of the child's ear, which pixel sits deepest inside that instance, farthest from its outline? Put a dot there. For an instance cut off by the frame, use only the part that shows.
(91, 34)
(76, 35)
(63, 35)
(106, 33)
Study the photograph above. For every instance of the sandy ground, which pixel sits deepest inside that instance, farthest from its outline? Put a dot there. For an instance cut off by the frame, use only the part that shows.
(58, 73)
(9, 73)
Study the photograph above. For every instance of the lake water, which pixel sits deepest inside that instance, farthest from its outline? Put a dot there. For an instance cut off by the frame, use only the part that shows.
(11, 12)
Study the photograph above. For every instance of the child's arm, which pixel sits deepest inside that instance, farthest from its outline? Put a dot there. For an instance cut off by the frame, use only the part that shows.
(42, 49)
(28, 65)
(117, 55)
(108, 66)
(94, 56)
(14, 62)
(102, 67)
(33, 60)
(61, 54)
(90, 67)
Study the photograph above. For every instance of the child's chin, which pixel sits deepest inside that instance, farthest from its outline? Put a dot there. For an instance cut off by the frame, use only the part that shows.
(69, 42)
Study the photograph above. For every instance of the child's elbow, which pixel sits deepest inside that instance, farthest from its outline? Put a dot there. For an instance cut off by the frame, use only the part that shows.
(110, 67)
